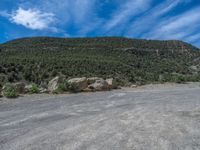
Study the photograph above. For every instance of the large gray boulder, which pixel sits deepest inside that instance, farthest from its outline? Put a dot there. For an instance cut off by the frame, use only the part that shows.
(54, 84)
(78, 84)
(99, 85)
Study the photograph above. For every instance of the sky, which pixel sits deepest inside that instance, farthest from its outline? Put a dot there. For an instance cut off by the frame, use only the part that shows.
(143, 19)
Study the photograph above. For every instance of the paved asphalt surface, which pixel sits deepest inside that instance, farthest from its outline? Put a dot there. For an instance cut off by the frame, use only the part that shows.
(142, 119)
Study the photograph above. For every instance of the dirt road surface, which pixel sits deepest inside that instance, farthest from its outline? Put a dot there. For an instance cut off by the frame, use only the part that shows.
(148, 118)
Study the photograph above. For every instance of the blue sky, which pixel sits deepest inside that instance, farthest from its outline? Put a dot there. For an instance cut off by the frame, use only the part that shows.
(146, 19)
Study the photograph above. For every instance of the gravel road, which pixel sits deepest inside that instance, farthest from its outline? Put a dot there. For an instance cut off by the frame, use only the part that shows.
(149, 118)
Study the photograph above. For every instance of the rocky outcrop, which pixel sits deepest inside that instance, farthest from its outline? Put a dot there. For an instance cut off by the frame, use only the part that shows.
(78, 84)
(54, 84)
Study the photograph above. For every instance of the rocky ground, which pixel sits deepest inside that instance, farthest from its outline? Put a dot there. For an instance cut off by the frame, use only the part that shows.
(152, 117)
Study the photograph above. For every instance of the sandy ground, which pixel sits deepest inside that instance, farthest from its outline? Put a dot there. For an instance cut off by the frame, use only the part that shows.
(152, 117)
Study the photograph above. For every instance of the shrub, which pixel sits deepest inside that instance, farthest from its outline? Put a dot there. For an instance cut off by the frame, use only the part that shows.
(180, 79)
(34, 89)
(10, 91)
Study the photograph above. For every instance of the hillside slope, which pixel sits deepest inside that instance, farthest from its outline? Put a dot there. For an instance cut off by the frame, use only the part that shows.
(39, 59)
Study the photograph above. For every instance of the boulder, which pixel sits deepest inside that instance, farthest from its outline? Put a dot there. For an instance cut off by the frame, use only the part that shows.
(99, 85)
(93, 80)
(111, 83)
(78, 84)
(54, 83)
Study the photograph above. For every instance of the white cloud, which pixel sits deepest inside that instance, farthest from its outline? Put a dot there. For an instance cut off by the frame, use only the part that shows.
(77, 13)
(33, 19)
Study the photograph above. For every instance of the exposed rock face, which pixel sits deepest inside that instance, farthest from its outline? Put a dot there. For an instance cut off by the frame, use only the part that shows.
(99, 85)
(54, 83)
(78, 84)
(111, 83)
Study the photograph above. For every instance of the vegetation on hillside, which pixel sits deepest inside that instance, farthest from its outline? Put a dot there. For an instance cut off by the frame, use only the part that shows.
(39, 59)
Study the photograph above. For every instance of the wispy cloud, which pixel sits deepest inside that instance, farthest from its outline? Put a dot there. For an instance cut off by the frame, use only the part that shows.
(128, 10)
(193, 38)
(152, 17)
(177, 27)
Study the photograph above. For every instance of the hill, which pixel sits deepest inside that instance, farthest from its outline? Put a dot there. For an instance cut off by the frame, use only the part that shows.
(39, 59)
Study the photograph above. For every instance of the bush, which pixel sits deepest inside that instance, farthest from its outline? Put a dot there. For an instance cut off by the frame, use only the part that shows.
(34, 89)
(180, 79)
(10, 91)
